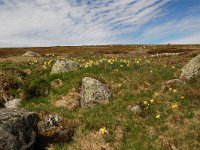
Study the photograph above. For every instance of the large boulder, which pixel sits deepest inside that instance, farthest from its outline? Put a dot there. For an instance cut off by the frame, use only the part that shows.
(31, 54)
(17, 129)
(93, 92)
(61, 66)
(191, 69)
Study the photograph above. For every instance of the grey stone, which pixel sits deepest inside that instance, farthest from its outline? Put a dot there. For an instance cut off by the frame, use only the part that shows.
(31, 54)
(136, 109)
(15, 103)
(191, 69)
(93, 92)
(17, 129)
(61, 66)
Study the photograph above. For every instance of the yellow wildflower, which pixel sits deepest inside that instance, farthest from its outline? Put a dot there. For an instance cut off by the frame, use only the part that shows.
(174, 90)
(152, 101)
(174, 106)
(157, 116)
(145, 102)
(103, 131)
(182, 97)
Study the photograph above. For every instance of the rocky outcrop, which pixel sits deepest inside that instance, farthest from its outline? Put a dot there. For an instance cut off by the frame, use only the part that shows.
(31, 54)
(17, 129)
(54, 129)
(61, 66)
(191, 69)
(93, 92)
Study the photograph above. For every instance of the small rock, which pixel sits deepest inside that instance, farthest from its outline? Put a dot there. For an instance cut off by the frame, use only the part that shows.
(31, 54)
(57, 83)
(136, 109)
(61, 66)
(191, 69)
(15, 103)
(93, 92)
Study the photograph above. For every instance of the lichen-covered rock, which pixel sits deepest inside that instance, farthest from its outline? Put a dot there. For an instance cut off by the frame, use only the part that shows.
(31, 54)
(53, 128)
(17, 129)
(191, 69)
(61, 66)
(93, 92)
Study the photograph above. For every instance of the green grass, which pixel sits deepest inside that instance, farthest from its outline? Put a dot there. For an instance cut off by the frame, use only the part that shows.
(138, 83)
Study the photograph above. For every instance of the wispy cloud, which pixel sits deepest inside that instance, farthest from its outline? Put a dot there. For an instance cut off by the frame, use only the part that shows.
(77, 22)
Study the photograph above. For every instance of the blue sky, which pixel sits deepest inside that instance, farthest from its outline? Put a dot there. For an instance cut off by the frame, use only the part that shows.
(25, 23)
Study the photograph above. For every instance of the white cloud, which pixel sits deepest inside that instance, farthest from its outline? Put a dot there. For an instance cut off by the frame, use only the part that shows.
(178, 30)
(69, 22)
(192, 39)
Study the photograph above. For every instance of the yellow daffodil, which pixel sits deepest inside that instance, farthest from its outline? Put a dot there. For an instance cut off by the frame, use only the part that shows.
(174, 106)
(152, 101)
(145, 102)
(137, 62)
(157, 116)
(103, 131)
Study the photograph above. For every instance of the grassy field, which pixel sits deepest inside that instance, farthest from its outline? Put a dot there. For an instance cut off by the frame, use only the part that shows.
(168, 121)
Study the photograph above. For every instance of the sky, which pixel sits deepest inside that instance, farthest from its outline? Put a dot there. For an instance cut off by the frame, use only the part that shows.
(32, 23)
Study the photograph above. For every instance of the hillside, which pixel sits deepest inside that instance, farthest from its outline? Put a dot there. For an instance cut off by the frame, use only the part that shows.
(147, 109)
